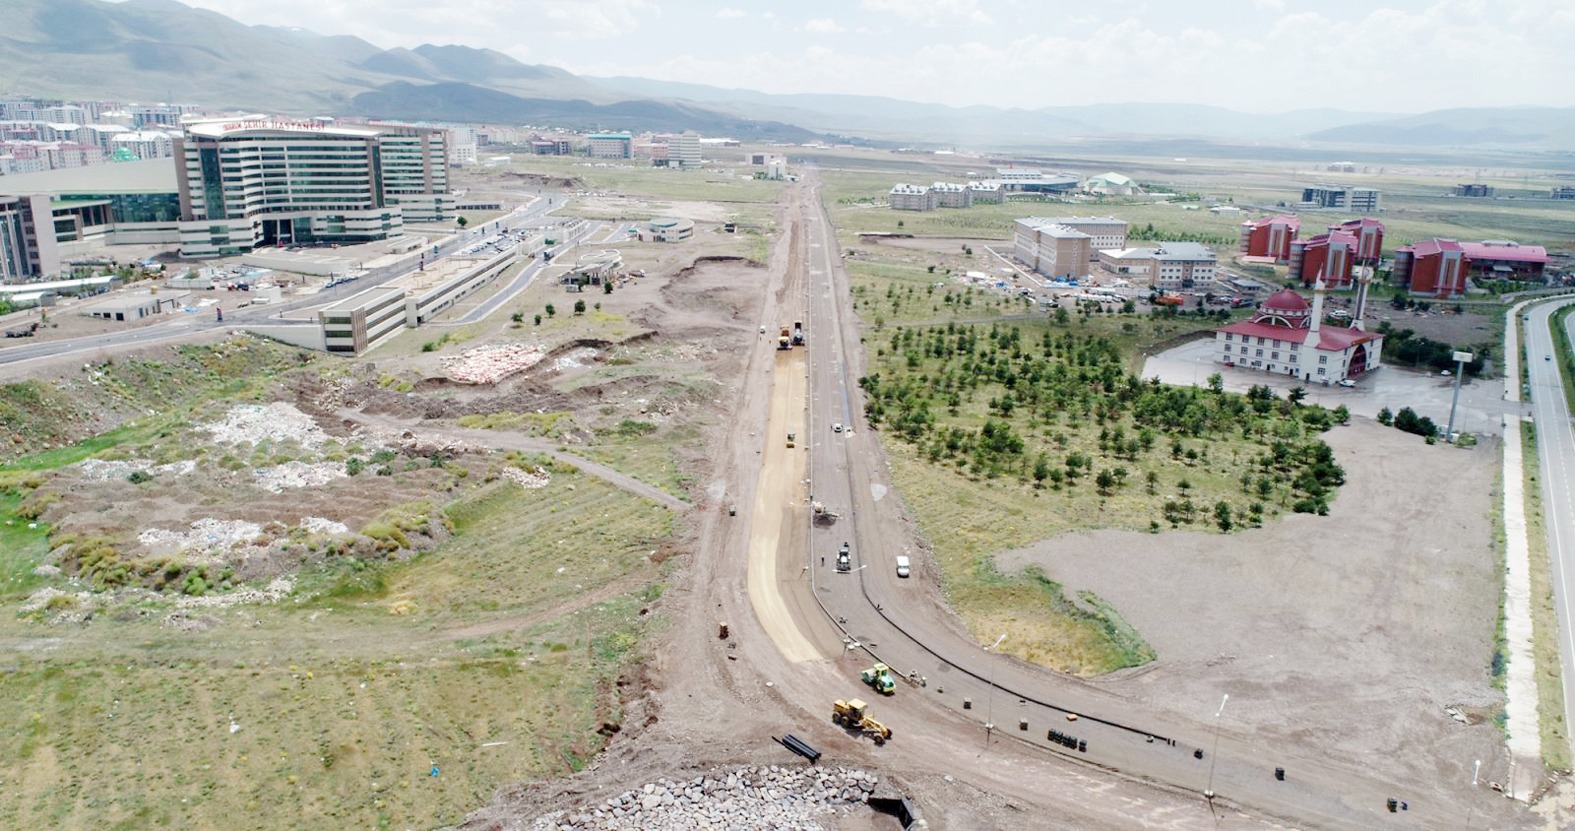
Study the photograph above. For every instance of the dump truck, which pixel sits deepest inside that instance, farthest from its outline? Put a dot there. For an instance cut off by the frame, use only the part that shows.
(853, 714)
(844, 558)
(798, 333)
(879, 678)
(785, 339)
(792, 439)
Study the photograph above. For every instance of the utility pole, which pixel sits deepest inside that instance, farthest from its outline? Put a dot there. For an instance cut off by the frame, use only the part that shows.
(1461, 359)
(989, 706)
(1208, 792)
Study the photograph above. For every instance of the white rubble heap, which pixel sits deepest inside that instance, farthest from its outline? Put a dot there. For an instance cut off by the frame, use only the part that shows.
(491, 364)
(276, 422)
(527, 479)
(206, 536)
(324, 527)
(102, 470)
(276, 590)
(747, 798)
(297, 474)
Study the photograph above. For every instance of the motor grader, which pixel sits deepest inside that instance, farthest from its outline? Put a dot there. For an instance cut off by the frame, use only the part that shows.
(853, 714)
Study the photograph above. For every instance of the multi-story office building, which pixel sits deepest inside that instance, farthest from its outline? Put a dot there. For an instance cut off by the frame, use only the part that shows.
(1341, 197)
(260, 182)
(25, 253)
(683, 150)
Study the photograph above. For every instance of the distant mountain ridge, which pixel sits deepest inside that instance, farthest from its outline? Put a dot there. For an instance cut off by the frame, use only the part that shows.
(163, 50)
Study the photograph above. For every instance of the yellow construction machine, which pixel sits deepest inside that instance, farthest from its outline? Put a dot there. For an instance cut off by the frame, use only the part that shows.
(853, 715)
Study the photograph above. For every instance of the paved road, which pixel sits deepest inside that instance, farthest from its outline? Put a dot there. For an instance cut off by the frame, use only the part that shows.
(1556, 456)
(523, 280)
(896, 621)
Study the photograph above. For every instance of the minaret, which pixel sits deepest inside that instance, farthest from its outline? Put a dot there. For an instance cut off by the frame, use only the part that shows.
(1317, 311)
(1364, 279)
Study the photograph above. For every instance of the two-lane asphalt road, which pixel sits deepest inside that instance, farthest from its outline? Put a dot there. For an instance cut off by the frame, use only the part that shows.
(1556, 457)
(899, 623)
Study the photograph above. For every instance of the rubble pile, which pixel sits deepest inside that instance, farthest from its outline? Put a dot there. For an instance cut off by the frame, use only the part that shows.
(491, 364)
(103, 471)
(296, 474)
(747, 798)
(276, 590)
(276, 422)
(207, 535)
(528, 479)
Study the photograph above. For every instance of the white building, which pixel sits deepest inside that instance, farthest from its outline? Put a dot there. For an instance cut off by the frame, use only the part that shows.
(952, 195)
(904, 197)
(683, 150)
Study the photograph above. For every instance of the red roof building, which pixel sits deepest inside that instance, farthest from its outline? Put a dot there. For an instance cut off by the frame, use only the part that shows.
(1505, 260)
(1369, 235)
(1328, 257)
(1287, 337)
(1270, 237)
(1433, 267)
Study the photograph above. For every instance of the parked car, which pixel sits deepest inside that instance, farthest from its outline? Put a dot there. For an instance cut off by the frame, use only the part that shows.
(836, 428)
(1346, 382)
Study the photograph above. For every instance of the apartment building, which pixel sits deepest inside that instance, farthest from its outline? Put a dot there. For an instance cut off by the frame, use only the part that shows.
(1328, 257)
(1181, 265)
(610, 145)
(904, 197)
(1052, 249)
(987, 192)
(952, 195)
(252, 183)
(1434, 267)
(1341, 198)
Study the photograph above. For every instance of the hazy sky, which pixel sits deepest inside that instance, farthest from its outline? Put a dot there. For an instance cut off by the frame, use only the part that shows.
(1256, 55)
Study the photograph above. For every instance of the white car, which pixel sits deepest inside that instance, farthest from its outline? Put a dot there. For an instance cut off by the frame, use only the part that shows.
(1346, 382)
(836, 428)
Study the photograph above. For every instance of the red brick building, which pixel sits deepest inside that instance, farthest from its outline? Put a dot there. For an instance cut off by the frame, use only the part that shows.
(1505, 260)
(1270, 237)
(1328, 256)
(1369, 235)
(1434, 267)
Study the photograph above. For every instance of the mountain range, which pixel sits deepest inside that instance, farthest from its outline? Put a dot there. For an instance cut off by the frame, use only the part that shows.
(163, 50)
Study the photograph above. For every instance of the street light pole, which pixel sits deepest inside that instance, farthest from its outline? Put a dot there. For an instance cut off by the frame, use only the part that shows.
(1208, 792)
(989, 706)
(1461, 359)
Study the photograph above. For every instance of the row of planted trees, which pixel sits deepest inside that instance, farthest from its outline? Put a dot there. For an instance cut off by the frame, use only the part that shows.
(1059, 409)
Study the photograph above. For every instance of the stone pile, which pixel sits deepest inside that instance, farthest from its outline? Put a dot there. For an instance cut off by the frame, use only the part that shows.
(298, 474)
(491, 364)
(277, 422)
(747, 798)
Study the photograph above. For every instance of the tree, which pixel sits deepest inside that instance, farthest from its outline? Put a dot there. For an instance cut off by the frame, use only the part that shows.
(579, 307)
(1297, 395)
(1385, 417)
(1041, 470)
(1222, 515)
(1105, 482)
(517, 317)
(1216, 383)
(538, 320)
(551, 312)
(462, 222)
(606, 287)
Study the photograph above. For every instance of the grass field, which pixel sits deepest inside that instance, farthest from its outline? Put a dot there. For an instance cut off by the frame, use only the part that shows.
(631, 177)
(1544, 617)
(495, 657)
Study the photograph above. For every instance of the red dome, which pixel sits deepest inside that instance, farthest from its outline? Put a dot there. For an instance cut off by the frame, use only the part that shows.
(1285, 300)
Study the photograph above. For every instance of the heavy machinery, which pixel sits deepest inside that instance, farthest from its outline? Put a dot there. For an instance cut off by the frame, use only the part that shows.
(798, 333)
(879, 678)
(785, 339)
(852, 715)
(792, 439)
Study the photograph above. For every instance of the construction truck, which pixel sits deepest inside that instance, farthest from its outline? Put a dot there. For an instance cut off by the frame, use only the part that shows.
(844, 558)
(785, 339)
(792, 439)
(879, 677)
(852, 715)
(798, 333)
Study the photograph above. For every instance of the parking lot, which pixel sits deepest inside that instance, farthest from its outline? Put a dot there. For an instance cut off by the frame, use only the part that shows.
(1482, 403)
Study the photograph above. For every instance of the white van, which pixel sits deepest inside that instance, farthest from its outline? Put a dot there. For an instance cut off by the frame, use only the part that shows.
(902, 566)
